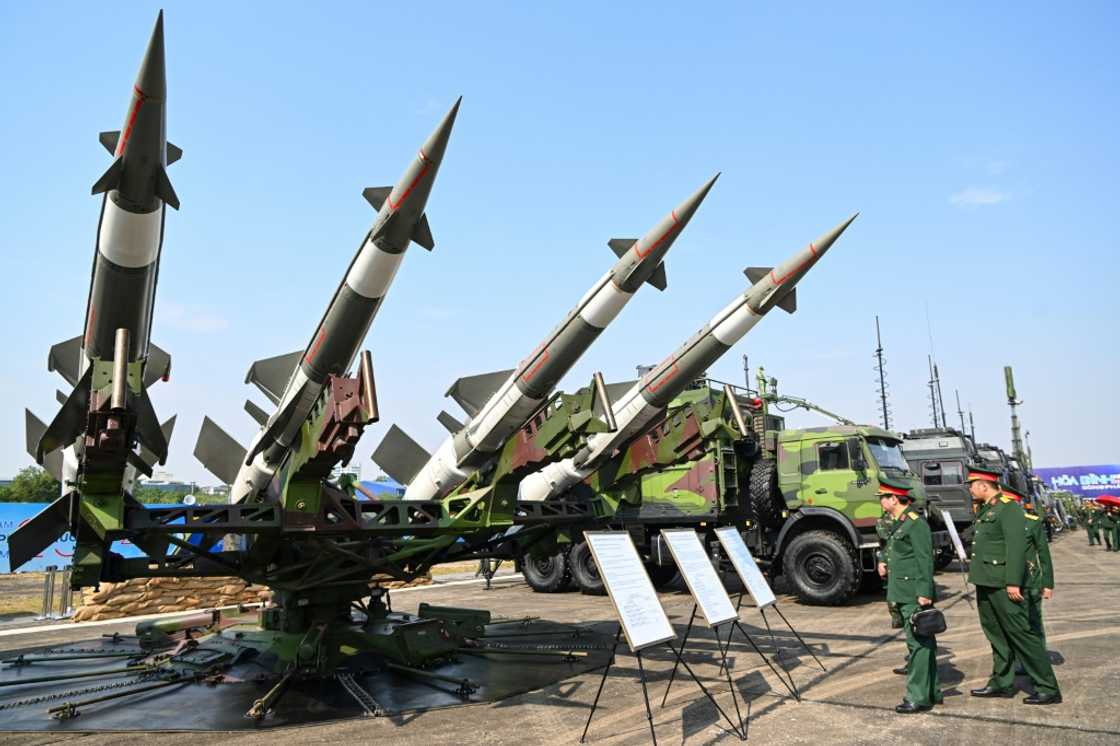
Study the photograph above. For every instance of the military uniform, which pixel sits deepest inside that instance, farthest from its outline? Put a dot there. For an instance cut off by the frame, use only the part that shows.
(999, 560)
(1115, 528)
(1092, 526)
(883, 528)
(908, 555)
(1040, 574)
(1107, 522)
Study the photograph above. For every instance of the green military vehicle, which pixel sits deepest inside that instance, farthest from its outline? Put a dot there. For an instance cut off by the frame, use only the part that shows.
(805, 500)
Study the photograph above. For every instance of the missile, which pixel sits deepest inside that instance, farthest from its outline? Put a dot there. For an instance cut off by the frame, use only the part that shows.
(118, 315)
(294, 381)
(500, 403)
(633, 411)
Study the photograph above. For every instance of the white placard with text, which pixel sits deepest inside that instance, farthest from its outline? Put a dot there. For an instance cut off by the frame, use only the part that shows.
(745, 566)
(643, 619)
(700, 576)
(957, 543)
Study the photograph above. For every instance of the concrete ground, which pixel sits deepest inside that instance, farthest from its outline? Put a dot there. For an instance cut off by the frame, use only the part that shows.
(853, 702)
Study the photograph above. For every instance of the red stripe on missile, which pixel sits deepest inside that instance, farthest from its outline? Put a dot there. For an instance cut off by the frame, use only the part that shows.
(315, 348)
(527, 375)
(658, 242)
(408, 191)
(795, 270)
(663, 378)
(137, 102)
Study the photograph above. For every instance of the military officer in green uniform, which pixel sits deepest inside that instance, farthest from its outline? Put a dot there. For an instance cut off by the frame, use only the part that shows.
(1106, 519)
(1115, 513)
(1039, 583)
(1092, 524)
(908, 557)
(883, 528)
(998, 569)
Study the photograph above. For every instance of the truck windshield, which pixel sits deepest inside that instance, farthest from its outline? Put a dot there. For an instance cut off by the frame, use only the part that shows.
(888, 455)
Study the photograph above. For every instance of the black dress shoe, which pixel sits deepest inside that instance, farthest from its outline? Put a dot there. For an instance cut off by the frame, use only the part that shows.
(909, 708)
(1044, 699)
(990, 691)
(901, 671)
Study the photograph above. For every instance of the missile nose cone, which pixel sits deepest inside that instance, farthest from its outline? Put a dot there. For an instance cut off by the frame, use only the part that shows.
(152, 78)
(824, 243)
(436, 144)
(688, 208)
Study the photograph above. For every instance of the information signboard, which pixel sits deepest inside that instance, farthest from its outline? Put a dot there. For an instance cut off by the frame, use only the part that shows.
(957, 544)
(701, 578)
(745, 566)
(635, 601)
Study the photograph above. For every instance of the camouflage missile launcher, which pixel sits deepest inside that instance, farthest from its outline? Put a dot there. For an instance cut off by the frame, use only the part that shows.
(806, 500)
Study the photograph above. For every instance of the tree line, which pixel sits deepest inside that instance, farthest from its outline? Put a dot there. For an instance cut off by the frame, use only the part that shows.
(35, 485)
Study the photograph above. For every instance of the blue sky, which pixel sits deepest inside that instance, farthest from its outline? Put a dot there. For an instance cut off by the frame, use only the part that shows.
(978, 142)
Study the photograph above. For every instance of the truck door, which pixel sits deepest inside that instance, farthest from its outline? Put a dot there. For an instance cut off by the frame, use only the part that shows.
(829, 479)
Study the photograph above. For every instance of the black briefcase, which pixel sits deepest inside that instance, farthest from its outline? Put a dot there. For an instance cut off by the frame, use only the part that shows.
(928, 621)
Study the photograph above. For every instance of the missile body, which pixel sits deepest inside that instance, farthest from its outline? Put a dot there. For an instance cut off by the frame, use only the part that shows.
(527, 387)
(334, 345)
(637, 407)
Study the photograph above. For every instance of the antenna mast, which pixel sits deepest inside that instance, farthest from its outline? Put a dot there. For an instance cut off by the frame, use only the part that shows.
(885, 409)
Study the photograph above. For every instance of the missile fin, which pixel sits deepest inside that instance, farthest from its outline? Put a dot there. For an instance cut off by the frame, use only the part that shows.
(621, 245)
(70, 421)
(754, 274)
(136, 461)
(471, 392)
(376, 196)
(616, 390)
(64, 357)
(148, 457)
(422, 233)
(111, 179)
(59, 397)
(158, 366)
(271, 374)
(658, 278)
(256, 412)
(218, 451)
(164, 190)
(52, 462)
(278, 422)
(148, 430)
(447, 420)
(400, 456)
(174, 153)
(788, 302)
(109, 140)
(33, 537)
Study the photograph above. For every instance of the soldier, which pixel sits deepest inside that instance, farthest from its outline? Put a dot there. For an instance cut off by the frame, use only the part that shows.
(883, 528)
(1092, 524)
(1106, 520)
(997, 570)
(1039, 584)
(909, 565)
(1115, 512)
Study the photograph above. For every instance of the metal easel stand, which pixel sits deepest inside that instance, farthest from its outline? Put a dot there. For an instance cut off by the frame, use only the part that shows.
(726, 669)
(790, 685)
(645, 690)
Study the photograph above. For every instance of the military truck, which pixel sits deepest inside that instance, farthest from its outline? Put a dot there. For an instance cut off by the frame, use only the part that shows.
(941, 456)
(805, 500)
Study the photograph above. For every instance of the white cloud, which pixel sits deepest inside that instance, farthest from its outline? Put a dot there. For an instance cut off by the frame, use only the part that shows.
(978, 197)
(190, 318)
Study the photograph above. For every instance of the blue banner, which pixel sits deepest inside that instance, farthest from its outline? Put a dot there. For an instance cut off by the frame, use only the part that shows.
(59, 554)
(1086, 481)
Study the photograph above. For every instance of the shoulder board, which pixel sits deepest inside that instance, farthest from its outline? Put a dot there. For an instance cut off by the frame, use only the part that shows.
(913, 515)
(1004, 498)
(1031, 516)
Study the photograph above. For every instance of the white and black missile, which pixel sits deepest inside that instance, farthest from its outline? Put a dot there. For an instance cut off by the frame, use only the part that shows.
(294, 382)
(635, 409)
(499, 403)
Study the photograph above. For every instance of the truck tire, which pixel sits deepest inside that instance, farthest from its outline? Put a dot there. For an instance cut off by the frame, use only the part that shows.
(547, 574)
(661, 575)
(821, 568)
(944, 556)
(585, 572)
(766, 499)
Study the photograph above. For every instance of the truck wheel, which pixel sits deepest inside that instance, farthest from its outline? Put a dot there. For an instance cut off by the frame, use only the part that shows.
(944, 556)
(821, 568)
(766, 499)
(547, 573)
(661, 575)
(585, 572)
